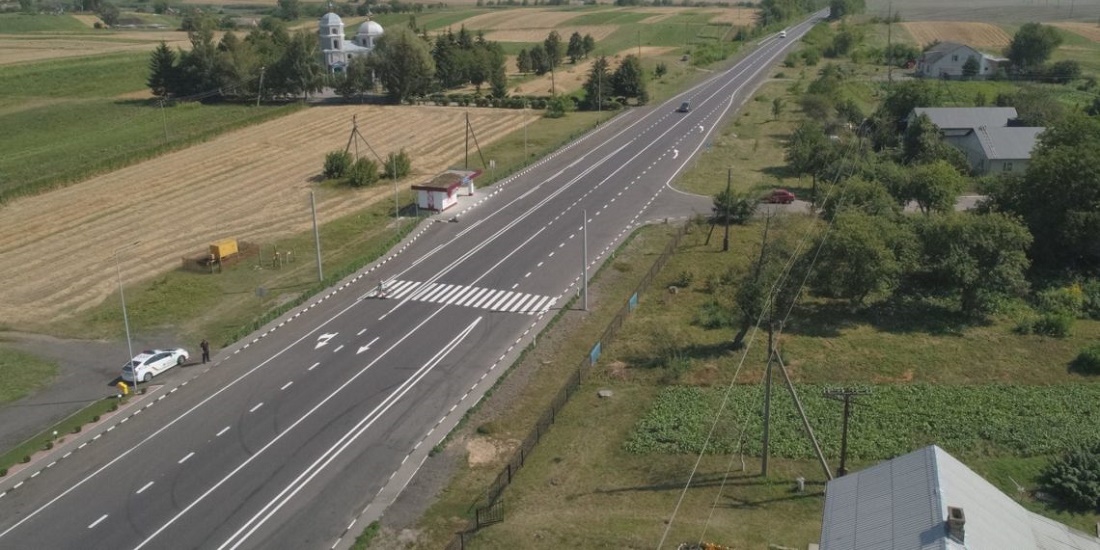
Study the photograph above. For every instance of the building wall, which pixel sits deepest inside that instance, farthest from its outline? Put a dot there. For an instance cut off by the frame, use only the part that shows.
(435, 200)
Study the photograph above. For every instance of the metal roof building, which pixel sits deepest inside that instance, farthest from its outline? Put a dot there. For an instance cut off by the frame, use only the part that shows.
(965, 118)
(928, 500)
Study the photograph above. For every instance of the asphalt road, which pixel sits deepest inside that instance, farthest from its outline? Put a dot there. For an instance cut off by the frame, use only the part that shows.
(322, 419)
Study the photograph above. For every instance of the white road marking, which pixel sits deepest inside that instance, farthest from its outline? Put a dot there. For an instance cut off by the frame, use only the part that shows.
(258, 405)
(97, 522)
(360, 333)
(466, 296)
(323, 339)
(222, 431)
(366, 347)
(313, 366)
(143, 488)
(338, 348)
(184, 459)
(287, 385)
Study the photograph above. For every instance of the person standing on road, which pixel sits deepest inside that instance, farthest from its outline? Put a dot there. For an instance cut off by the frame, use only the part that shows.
(205, 350)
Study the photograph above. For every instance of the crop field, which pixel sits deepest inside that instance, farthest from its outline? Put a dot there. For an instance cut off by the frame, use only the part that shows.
(979, 35)
(43, 47)
(1090, 31)
(993, 11)
(57, 247)
(24, 23)
(569, 77)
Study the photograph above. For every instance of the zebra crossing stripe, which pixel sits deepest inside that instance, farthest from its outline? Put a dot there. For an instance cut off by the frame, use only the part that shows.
(470, 296)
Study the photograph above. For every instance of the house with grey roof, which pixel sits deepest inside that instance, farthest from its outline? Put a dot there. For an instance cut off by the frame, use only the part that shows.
(928, 500)
(986, 135)
(946, 60)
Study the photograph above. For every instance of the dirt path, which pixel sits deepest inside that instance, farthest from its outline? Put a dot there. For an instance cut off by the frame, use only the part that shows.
(56, 249)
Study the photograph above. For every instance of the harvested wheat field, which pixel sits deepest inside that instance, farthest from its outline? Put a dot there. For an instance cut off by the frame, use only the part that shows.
(89, 20)
(253, 184)
(571, 77)
(1087, 30)
(738, 17)
(598, 32)
(977, 35)
(38, 48)
(518, 19)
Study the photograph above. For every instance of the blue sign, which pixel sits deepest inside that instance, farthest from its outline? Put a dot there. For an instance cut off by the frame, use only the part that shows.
(594, 355)
(633, 302)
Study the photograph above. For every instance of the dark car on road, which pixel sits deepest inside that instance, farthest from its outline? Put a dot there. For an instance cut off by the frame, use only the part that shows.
(684, 107)
(779, 196)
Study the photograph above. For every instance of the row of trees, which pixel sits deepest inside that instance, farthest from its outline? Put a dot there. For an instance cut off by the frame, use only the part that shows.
(603, 85)
(541, 59)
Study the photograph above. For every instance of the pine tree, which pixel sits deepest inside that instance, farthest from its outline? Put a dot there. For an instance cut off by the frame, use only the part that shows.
(162, 71)
(575, 50)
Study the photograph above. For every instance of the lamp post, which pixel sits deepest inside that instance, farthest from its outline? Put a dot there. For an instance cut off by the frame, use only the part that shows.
(125, 317)
(260, 94)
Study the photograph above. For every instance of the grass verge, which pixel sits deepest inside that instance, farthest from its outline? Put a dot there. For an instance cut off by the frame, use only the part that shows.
(68, 427)
(22, 373)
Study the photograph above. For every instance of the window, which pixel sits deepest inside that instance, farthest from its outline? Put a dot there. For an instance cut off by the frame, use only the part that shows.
(954, 58)
(1008, 167)
(336, 45)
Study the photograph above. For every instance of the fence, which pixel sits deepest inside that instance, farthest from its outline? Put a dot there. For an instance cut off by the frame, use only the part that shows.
(493, 508)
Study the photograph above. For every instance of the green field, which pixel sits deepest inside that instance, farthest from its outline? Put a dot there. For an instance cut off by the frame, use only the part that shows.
(22, 373)
(16, 23)
(67, 121)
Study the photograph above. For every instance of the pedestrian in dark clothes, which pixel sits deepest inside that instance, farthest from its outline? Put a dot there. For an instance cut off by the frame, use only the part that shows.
(205, 350)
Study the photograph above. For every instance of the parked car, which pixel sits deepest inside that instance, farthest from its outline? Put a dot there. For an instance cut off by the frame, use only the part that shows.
(780, 196)
(150, 363)
(684, 107)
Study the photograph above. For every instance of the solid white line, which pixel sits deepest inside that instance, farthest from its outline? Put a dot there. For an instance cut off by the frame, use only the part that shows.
(258, 405)
(222, 431)
(360, 333)
(96, 522)
(313, 366)
(338, 348)
(143, 488)
(287, 385)
(184, 459)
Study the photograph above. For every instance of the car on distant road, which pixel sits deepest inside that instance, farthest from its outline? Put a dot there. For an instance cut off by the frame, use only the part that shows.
(150, 363)
(684, 107)
(783, 34)
(780, 196)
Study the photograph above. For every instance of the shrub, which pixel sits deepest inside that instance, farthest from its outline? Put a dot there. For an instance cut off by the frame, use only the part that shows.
(1088, 360)
(1057, 325)
(1090, 300)
(113, 407)
(76, 429)
(398, 165)
(684, 279)
(363, 172)
(47, 446)
(95, 418)
(712, 315)
(660, 70)
(555, 108)
(1068, 300)
(1075, 477)
(3, 472)
(336, 164)
(26, 459)
(488, 428)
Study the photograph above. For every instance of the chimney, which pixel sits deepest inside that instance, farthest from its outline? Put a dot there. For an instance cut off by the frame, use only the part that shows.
(956, 524)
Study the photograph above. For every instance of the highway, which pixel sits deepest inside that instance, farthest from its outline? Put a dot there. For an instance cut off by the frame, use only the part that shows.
(319, 420)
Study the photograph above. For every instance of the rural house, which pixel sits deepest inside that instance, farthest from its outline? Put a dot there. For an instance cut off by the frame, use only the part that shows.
(336, 49)
(946, 60)
(929, 500)
(986, 135)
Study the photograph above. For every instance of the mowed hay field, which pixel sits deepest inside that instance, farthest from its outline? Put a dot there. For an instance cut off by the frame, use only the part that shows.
(571, 77)
(56, 249)
(1087, 30)
(21, 49)
(977, 35)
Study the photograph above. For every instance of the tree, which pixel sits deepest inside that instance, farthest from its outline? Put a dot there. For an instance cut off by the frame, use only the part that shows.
(109, 13)
(397, 165)
(861, 195)
(863, 255)
(841, 8)
(629, 79)
(363, 172)
(553, 48)
(971, 68)
(298, 72)
(575, 50)
(498, 79)
(589, 44)
(1035, 106)
(597, 89)
(337, 164)
(523, 61)
(1062, 72)
(1074, 477)
(934, 187)
(805, 149)
(358, 78)
(777, 107)
(403, 65)
(923, 144)
(772, 286)
(1032, 45)
(540, 63)
(737, 208)
(162, 71)
(288, 10)
(980, 260)
(197, 69)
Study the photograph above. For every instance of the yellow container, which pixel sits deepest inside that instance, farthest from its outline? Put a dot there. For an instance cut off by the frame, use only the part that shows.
(223, 249)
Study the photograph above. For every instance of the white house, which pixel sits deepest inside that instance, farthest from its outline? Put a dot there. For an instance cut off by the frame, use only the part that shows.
(336, 49)
(985, 135)
(946, 60)
(928, 500)
(442, 191)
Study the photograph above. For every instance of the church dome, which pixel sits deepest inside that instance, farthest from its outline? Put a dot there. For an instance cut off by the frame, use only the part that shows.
(369, 28)
(330, 20)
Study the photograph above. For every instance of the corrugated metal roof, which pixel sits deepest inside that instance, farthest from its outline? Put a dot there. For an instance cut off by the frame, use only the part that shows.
(901, 504)
(953, 118)
(1008, 143)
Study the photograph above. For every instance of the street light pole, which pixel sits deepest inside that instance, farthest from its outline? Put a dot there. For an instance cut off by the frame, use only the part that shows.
(316, 236)
(584, 237)
(260, 94)
(125, 317)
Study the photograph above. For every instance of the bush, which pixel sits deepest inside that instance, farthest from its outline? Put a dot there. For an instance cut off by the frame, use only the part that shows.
(1075, 477)
(76, 429)
(95, 418)
(3, 472)
(1088, 360)
(1057, 325)
(113, 407)
(47, 446)
(26, 459)
(684, 279)
(363, 172)
(1068, 300)
(336, 164)
(1090, 300)
(398, 165)
(713, 315)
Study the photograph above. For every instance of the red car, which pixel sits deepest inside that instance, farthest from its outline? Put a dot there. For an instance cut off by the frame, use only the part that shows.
(780, 196)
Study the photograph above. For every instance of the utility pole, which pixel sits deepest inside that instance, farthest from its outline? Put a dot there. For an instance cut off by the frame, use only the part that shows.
(525, 122)
(846, 395)
(316, 235)
(728, 205)
(260, 94)
(889, 43)
(393, 174)
(767, 399)
(584, 274)
(466, 156)
(164, 121)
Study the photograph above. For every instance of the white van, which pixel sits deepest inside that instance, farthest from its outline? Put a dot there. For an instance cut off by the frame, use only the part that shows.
(783, 34)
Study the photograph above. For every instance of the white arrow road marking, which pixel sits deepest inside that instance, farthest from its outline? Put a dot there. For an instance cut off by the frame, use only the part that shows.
(324, 338)
(675, 153)
(238, 538)
(366, 347)
(701, 128)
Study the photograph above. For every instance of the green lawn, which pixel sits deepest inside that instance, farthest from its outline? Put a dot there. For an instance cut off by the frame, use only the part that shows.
(22, 373)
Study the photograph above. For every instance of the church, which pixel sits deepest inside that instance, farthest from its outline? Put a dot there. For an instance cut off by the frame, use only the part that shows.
(336, 49)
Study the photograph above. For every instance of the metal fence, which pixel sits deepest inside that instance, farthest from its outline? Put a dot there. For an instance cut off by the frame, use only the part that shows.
(491, 509)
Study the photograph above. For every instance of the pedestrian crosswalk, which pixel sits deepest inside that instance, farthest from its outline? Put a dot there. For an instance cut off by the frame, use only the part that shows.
(468, 296)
